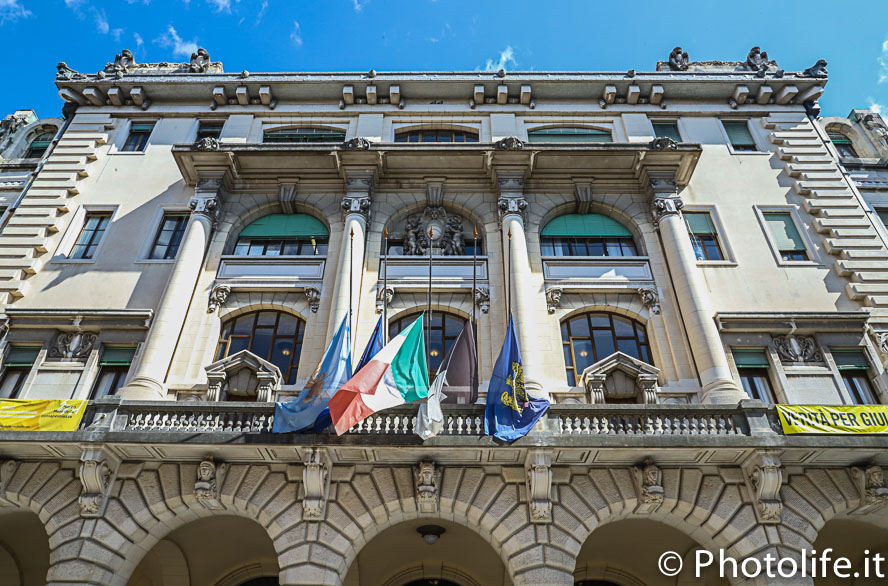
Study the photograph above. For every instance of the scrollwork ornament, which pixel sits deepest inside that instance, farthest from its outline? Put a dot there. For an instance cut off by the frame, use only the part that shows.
(384, 296)
(667, 206)
(218, 297)
(208, 143)
(553, 298)
(509, 143)
(482, 299)
(313, 296)
(797, 349)
(650, 298)
(72, 345)
(356, 144)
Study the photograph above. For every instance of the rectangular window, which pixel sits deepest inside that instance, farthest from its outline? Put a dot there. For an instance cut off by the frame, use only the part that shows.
(883, 216)
(739, 136)
(113, 368)
(209, 129)
(37, 149)
(298, 135)
(704, 237)
(18, 363)
(138, 136)
(94, 226)
(854, 368)
(569, 134)
(169, 236)
(842, 143)
(752, 366)
(667, 129)
(786, 236)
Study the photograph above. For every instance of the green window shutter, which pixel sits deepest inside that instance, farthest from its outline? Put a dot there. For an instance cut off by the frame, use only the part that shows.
(883, 215)
(667, 130)
(142, 127)
(304, 135)
(40, 144)
(738, 133)
(850, 359)
(585, 225)
(568, 134)
(750, 358)
(22, 355)
(286, 226)
(699, 223)
(783, 229)
(117, 356)
(838, 138)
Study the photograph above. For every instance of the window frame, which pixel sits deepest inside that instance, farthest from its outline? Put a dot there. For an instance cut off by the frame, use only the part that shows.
(764, 372)
(121, 148)
(409, 317)
(66, 246)
(206, 121)
(723, 242)
(24, 370)
(810, 250)
(591, 131)
(847, 375)
(568, 345)
(724, 130)
(676, 121)
(298, 339)
(159, 229)
(452, 130)
(297, 128)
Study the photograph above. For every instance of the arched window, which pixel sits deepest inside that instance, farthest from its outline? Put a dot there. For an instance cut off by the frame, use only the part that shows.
(436, 135)
(38, 146)
(586, 235)
(590, 337)
(569, 134)
(283, 235)
(445, 328)
(842, 143)
(299, 135)
(271, 335)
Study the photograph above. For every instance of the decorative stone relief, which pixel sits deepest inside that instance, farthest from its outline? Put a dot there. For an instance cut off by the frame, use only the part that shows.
(427, 479)
(880, 337)
(650, 298)
(7, 470)
(74, 346)
(65, 72)
(356, 144)
(510, 143)
(242, 376)
(218, 297)
(98, 469)
(206, 201)
(649, 480)
(874, 123)
(511, 205)
(620, 377)
(482, 299)
(316, 483)
(757, 61)
(667, 206)
(384, 296)
(208, 143)
(678, 60)
(200, 61)
(123, 62)
(209, 481)
(553, 298)
(663, 143)
(538, 467)
(357, 205)
(764, 477)
(870, 483)
(816, 70)
(797, 349)
(313, 296)
(434, 227)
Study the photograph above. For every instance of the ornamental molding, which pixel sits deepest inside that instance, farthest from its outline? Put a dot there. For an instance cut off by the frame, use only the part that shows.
(358, 143)
(72, 346)
(870, 483)
(538, 469)
(638, 380)
(797, 349)
(97, 472)
(649, 483)
(123, 62)
(287, 197)
(210, 477)
(63, 72)
(242, 375)
(553, 298)
(482, 299)
(817, 70)
(313, 296)
(764, 477)
(384, 297)
(208, 143)
(218, 296)
(664, 207)
(509, 143)
(427, 479)
(316, 484)
(650, 298)
(678, 60)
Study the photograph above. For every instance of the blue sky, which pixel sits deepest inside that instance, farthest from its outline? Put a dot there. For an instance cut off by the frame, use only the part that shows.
(358, 35)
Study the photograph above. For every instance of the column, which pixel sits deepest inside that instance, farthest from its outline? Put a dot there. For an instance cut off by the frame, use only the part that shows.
(511, 205)
(693, 296)
(147, 382)
(356, 209)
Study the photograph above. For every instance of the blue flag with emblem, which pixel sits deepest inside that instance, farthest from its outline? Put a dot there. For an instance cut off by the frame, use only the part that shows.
(333, 372)
(510, 411)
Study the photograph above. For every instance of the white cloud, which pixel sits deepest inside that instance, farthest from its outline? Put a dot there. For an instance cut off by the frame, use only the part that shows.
(359, 4)
(221, 5)
(171, 39)
(261, 12)
(116, 33)
(296, 35)
(138, 38)
(72, 3)
(101, 21)
(883, 63)
(443, 34)
(506, 56)
(876, 107)
(12, 10)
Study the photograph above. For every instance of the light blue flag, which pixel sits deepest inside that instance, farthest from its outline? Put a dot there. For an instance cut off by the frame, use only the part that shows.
(333, 372)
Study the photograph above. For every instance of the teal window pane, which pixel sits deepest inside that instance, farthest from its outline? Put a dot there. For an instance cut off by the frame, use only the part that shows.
(699, 223)
(850, 359)
(569, 134)
(739, 135)
(783, 229)
(585, 225)
(750, 358)
(667, 130)
(286, 226)
(21, 355)
(117, 356)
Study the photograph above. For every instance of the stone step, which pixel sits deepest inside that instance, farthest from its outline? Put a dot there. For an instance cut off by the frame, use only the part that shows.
(877, 300)
(825, 224)
(821, 204)
(872, 276)
(864, 254)
(843, 213)
(855, 233)
(837, 245)
(860, 289)
(847, 267)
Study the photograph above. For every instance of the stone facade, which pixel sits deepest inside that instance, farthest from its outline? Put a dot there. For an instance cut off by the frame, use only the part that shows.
(175, 477)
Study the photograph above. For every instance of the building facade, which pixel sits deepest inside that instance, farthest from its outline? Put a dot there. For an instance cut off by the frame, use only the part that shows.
(681, 249)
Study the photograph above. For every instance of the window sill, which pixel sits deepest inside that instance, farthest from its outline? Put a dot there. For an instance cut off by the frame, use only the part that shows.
(127, 153)
(72, 261)
(717, 263)
(798, 263)
(154, 261)
(733, 152)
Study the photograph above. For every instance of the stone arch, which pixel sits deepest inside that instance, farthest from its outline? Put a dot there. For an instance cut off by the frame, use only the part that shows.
(436, 126)
(244, 302)
(631, 222)
(27, 134)
(858, 139)
(418, 308)
(630, 309)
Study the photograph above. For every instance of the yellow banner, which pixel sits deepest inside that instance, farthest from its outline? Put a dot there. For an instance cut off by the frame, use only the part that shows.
(833, 418)
(38, 415)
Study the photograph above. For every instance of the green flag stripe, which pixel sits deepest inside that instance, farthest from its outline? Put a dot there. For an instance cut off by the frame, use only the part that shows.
(409, 368)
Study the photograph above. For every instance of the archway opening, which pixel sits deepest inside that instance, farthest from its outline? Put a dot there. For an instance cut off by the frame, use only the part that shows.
(850, 539)
(400, 556)
(626, 553)
(221, 550)
(24, 549)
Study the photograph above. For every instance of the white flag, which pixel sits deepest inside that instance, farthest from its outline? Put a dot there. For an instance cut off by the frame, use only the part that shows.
(430, 418)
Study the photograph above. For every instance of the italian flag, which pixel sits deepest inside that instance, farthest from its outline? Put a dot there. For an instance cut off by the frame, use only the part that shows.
(398, 374)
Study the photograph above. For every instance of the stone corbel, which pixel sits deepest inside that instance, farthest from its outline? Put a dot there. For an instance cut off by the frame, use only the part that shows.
(316, 484)
(427, 479)
(210, 477)
(583, 195)
(764, 477)
(595, 388)
(214, 389)
(287, 197)
(511, 189)
(434, 191)
(313, 296)
(384, 296)
(649, 483)
(870, 483)
(7, 471)
(650, 299)
(357, 193)
(538, 468)
(482, 299)
(218, 296)
(647, 388)
(553, 298)
(98, 471)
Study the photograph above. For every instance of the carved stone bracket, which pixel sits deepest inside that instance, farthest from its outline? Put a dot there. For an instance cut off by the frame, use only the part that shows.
(538, 467)
(72, 346)
(7, 470)
(98, 470)
(427, 479)
(764, 477)
(210, 477)
(510, 143)
(678, 60)
(313, 296)
(649, 482)
(650, 298)
(553, 298)
(583, 195)
(384, 296)
(356, 144)
(434, 192)
(797, 349)
(482, 299)
(316, 484)
(870, 482)
(218, 297)
(880, 337)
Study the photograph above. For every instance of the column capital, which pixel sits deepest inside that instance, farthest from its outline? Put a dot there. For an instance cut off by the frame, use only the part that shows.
(664, 206)
(207, 198)
(357, 193)
(511, 188)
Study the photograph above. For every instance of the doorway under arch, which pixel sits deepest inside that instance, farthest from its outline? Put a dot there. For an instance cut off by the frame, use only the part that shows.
(850, 538)
(24, 549)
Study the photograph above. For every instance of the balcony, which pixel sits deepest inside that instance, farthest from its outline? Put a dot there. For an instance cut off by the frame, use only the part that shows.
(448, 272)
(270, 272)
(597, 272)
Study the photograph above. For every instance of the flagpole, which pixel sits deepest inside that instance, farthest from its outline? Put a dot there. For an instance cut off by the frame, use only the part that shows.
(509, 292)
(351, 273)
(385, 268)
(474, 287)
(429, 330)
